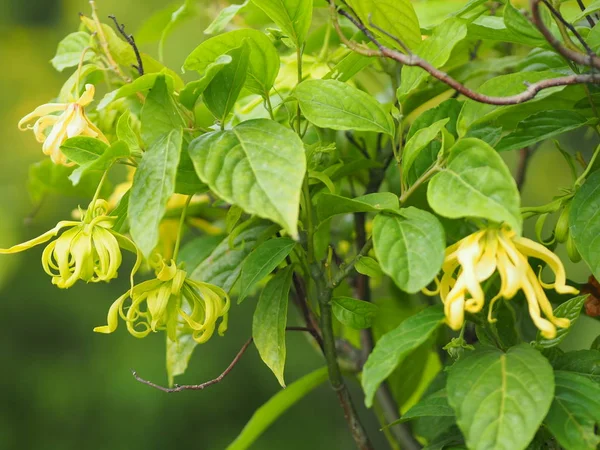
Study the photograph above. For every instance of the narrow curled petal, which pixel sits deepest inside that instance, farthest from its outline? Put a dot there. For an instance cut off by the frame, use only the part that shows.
(112, 319)
(88, 96)
(535, 250)
(40, 239)
(41, 111)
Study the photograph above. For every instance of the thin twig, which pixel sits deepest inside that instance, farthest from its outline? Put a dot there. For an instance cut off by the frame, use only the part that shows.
(588, 17)
(590, 59)
(524, 159)
(131, 41)
(413, 60)
(360, 146)
(199, 387)
(348, 268)
(104, 43)
(570, 26)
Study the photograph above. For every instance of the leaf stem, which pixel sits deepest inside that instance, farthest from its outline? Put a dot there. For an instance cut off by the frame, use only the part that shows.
(180, 229)
(422, 179)
(348, 268)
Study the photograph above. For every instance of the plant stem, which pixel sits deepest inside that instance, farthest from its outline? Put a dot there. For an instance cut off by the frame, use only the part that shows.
(422, 179)
(180, 230)
(90, 210)
(589, 167)
(335, 375)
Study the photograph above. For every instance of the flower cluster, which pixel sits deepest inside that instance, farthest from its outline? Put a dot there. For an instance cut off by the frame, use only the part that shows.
(173, 302)
(474, 259)
(72, 122)
(89, 249)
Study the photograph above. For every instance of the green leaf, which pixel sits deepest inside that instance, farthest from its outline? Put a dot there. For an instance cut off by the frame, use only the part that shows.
(330, 205)
(447, 109)
(434, 405)
(160, 26)
(83, 149)
(224, 264)
(590, 9)
(476, 183)
(584, 225)
(262, 261)
(582, 362)
(275, 407)
(159, 115)
(575, 411)
(418, 142)
(264, 59)
(189, 95)
(223, 91)
(394, 346)
(436, 49)
(225, 16)
(522, 27)
(476, 113)
(366, 265)
(292, 16)
(570, 310)
(153, 185)
(397, 17)
(410, 247)
(120, 212)
(500, 399)
(187, 182)
(126, 134)
(541, 126)
(102, 163)
(45, 178)
(70, 50)
(141, 84)
(179, 353)
(339, 106)
(270, 320)
(258, 165)
(197, 250)
(349, 66)
(357, 314)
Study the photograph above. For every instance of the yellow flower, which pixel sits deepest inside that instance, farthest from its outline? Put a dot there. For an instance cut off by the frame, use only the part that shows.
(88, 250)
(474, 259)
(174, 303)
(72, 122)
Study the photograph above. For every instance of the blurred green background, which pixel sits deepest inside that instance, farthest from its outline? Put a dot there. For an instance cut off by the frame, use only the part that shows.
(63, 386)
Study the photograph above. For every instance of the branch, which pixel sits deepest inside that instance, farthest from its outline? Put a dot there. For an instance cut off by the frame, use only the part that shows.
(131, 41)
(524, 159)
(411, 59)
(591, 59)
(199, 387)
(589, 19)
(347, 269)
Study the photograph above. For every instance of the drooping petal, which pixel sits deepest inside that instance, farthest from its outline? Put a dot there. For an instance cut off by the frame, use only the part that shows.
(41, 111)
(88, 96)
(41, 125)
(547, 329)
(40, 239)
(112, 319)
(535, 250)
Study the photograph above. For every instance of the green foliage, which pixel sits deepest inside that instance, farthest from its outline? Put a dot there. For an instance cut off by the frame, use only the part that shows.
(270, 320)
(338, 106)
(396, 345)
(410, 247)
(258, 165)
(475, 183)
(354, 313)
(328, 163)
(500, 399)
(275, 407)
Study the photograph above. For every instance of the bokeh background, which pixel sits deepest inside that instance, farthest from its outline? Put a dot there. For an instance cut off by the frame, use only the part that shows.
(63, 386)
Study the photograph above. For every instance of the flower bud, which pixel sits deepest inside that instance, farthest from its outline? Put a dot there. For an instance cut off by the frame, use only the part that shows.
(561, 231)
